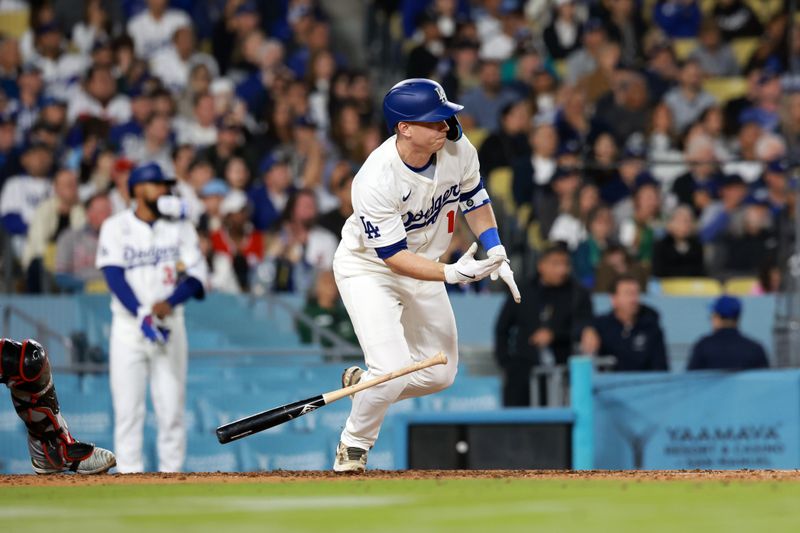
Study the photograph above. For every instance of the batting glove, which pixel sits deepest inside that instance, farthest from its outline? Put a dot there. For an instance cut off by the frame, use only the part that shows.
(469, 270)
(152, 331)
(504, 272)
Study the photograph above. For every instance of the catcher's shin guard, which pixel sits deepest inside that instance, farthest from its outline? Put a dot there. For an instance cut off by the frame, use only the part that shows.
(25, 368)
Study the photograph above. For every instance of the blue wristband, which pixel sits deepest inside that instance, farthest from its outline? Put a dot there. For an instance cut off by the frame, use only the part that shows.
(489, 238)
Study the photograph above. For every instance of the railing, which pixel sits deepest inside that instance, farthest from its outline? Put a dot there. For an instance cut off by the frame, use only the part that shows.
(45, 335)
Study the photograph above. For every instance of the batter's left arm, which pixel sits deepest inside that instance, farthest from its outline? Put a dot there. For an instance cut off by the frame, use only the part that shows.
(482, 222)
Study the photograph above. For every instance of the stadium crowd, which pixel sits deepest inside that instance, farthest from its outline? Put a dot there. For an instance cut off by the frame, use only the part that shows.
(653, 138)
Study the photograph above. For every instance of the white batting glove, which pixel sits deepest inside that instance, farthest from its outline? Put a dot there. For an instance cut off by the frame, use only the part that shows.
(504, 272)
(469, 270)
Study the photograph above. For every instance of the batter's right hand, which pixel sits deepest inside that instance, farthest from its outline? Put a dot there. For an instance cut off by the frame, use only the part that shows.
(152, 331)
(468, 269)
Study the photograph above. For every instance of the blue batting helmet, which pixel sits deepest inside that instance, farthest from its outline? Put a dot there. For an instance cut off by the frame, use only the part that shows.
(420, 100)
(148, 173)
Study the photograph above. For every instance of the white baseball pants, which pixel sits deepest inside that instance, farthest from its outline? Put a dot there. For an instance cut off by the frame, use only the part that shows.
(134, 361)
(398, 321)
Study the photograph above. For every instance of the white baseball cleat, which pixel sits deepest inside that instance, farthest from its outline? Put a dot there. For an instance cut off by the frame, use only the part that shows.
(351, 376)
(99, 461)
(350, 459)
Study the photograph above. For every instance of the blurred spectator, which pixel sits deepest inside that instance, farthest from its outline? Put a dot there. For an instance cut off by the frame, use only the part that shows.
(767, 102)
(297, 246)
(25, 108)
(212, 194)
(726, 213)
(94, 26)
(772, 46)
(600, 236)
(172, 64)
(153, 28)
(714, 55)
(772, 190)
(237, 175)
(570, 227)
(424, 58)
(639, 221)
(583, 61)
(59, 68)
(770, 276)
(745, 157)
(51, 218)
(599, 82)
(624, 110)
(745, 246)
(156, 144)
(341, 183)
(688, 100)
(462, 75)
(678, 18)
(623, 182)
(736, 19)
(544, 329)
(536, 171)
(128, 136)
(9, 154)
(482, 104)
(76, 247)
(510, 141)
(22, 194)
(325, 308)
(221, 275)
(735, 106)
(602, 165)
(237, 238)
(630, 331)
(201, 130)
(679, 253)
(563, 35)
(270, 197)
(699, 186)
(98, 98)
(572, 122)
(229, 145)
(616, 262)
(790, 124)
(726, 348)
(624, 25)
(10, 61)
(558, 198)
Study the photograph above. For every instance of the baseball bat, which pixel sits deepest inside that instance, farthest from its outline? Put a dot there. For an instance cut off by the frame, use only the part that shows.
(266, 419)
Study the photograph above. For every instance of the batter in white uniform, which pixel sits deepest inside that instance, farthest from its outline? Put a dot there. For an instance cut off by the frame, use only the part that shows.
(152, 264)
(405, 198)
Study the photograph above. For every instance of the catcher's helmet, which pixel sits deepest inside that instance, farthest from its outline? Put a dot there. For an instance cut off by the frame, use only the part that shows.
(420, 100)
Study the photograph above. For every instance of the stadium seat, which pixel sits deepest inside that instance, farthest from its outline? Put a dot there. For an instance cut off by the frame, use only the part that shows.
(96, 286)
(476, 136)
(741, 286)
(684, 47)
(14, 23)
(724, 89)
(501, 181)
(691, 287)
(743, 48)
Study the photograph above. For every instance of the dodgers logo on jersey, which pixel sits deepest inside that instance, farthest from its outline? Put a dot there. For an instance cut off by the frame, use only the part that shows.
(134, 257)
(423, 218)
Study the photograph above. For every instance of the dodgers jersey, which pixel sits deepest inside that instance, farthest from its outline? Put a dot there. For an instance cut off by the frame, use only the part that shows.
(391, 202)
(153, 256)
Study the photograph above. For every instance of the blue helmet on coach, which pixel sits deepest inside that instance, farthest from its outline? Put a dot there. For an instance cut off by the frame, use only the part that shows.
(421, 100)
(148, 173)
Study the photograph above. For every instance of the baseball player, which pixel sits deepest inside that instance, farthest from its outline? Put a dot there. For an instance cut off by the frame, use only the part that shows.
(152, 263)
(25, 369)
(404, 199)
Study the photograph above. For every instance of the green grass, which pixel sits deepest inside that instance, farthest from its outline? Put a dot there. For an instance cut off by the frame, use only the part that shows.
(360, 505)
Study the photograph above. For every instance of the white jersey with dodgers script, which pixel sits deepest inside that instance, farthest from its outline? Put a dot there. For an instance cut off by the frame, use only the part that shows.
(152, 255)
(391, 203)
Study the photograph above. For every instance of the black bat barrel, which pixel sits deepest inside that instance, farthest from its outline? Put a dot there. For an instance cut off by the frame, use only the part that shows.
(267, 419)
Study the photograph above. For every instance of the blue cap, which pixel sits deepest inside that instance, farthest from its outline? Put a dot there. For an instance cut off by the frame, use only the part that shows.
(593, 24)
(728, 307)
(778, 166)
(564, 172)
(47, 27)
(269, 161)
(732, 179)
(148, 173)
(215, 187)
(634, 151)
(246, 8)
(52, 100)
(644, 179)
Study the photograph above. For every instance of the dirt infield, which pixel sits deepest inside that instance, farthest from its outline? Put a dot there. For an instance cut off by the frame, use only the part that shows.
(287, 476)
